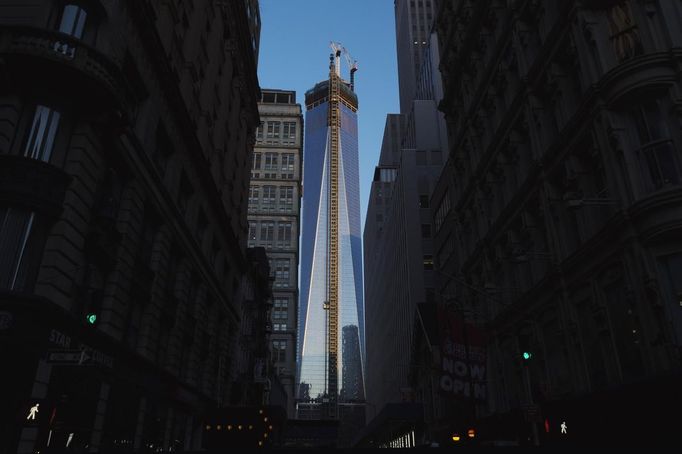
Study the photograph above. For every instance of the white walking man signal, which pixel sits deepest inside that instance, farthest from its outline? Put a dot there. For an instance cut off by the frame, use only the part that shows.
(33, 411)
(564, 427)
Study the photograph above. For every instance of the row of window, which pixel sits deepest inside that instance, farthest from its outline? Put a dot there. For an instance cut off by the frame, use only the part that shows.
(270, 161)
(265, 198)
(263, 234)
(272, 176)
(280, 269)
(277, 132)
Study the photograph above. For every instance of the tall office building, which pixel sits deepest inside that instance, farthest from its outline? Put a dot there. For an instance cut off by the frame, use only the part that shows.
(398, 227)
(317, 383)
(274, 212)
(413, 20)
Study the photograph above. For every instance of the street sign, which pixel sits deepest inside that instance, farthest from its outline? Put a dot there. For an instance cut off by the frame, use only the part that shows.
(68, 357)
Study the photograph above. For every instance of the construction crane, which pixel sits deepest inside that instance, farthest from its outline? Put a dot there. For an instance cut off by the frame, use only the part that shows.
(352, 64)
(332, 304)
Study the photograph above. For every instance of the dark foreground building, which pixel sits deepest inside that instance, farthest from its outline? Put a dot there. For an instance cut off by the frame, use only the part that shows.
(558, 220)
(126, 130)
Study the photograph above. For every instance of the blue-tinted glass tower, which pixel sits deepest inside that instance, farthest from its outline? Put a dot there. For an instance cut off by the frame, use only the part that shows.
(313, 349)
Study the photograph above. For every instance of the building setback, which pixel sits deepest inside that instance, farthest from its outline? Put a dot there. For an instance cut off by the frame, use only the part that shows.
(126, 132)
(558, 215)
(274, 220)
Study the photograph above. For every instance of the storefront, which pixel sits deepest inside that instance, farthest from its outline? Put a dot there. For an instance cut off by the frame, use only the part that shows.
(69, 385)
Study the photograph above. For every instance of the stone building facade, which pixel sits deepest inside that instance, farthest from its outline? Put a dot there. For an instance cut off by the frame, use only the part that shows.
(126, 132)
(274, 220)
(558, 216)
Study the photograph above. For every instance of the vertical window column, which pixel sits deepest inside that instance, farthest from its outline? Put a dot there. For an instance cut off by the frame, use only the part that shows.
(43, 130)
(15, 234)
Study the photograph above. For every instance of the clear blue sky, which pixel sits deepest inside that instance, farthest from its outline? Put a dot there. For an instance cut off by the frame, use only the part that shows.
(294, 55)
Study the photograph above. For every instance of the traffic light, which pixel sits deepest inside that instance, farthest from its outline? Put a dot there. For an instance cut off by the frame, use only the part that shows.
(471, 433)
(91, 318)
(525, 346)
(455, 438)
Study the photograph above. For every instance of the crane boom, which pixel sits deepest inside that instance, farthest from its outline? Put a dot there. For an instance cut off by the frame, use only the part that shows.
(352, 64)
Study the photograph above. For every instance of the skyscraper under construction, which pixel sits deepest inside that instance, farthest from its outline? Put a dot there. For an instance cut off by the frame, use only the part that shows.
(331, 347)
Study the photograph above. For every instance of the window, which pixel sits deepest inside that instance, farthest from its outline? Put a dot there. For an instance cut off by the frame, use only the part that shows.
(623, 31)
(254, 195)
(279, 351)
(255, 163)
(284, 235)
(15, 232)
(671, 273)
(288, 162)
(253, 228)
(426, 230)
(423, 201)
(428, 262)
(271, 161)
(259, 132)
(269, 199)
(73, 21)
(273, 129)
(43, 130)
(385, 175)
(421, 157)
(280, 310)
(267, 232)
(282, 272)
(442, 211)
(289, 132)
(279, 326)
(286, 198)
(656, 152)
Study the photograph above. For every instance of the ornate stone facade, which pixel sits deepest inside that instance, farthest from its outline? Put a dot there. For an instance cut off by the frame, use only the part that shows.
(126, 132)
(558, 216)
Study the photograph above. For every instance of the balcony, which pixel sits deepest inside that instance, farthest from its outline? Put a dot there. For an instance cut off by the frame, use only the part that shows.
(58, 59)
(33, 184)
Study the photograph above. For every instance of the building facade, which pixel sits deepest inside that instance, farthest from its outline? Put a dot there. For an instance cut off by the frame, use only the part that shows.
(413, 21)
(274, 220)
(126, 135)
(312, 372)
(558, 214)
(398, 227)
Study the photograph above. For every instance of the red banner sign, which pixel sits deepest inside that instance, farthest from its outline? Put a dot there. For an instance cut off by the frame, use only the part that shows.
(463, 356)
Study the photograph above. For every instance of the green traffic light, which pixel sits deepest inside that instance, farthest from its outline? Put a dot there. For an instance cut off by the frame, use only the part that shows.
(526, 355)
(91, 318)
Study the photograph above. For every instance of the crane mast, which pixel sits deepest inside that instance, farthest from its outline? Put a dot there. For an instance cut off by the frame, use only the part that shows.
(332, 303)
(333, 237)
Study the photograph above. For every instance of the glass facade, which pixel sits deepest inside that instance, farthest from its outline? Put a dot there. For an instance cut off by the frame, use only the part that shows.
(312, 366)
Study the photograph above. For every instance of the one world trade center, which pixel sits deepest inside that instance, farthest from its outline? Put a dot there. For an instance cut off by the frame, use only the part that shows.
(331, 318)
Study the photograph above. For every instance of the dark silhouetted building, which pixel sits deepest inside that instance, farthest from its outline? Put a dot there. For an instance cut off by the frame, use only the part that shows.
(398, 249)
(559, 212)
(126, 132)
